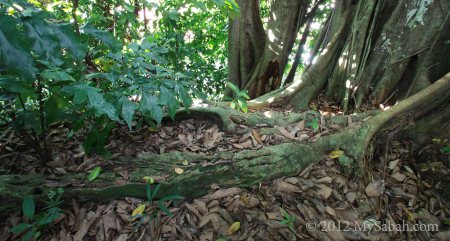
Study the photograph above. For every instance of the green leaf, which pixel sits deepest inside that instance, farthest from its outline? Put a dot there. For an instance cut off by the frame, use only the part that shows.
(93, 174)
(244, 94)
(165, 199)
(446, 150)
(149, 103)
(233, 105)
(28, 207)
(96, 100)
(105, 37)
(128, 109)
(14, 53)
(52, 214)
(70, 41)
(29, 235)
(166, 98)
(233, 87)
(20, 227)
(128, 7)
(57, 75)
(15, 85)
(42, 36)
(184, 95)
(242, 105)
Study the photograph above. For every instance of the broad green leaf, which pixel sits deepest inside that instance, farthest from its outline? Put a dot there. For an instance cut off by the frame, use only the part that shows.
(42, 36)
(15, 85)
(52, 214)
(29, 235)
(13, 50)
(100, 106)
(128, 109)
(28, 207)
(184, 96)
(150, 103)
(57, 75)
(103, 36)
(93, 174)
(166, 98)
(20, 227)
(69, 40)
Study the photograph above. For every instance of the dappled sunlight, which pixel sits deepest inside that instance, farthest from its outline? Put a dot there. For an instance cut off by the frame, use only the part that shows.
(384, 107)
(268, 114)
(271, 35)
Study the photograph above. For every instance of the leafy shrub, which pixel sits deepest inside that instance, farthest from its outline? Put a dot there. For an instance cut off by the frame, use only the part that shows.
(46, 77)
(41, 220)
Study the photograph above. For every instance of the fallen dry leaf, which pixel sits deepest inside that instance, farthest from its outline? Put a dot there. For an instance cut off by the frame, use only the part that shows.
(178, 170)
(375, 189)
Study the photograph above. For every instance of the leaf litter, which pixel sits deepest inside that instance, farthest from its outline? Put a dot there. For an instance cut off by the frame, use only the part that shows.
(321, 194)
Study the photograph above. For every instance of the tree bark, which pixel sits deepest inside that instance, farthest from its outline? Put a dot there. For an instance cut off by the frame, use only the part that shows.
(258, 56)
(376, 51)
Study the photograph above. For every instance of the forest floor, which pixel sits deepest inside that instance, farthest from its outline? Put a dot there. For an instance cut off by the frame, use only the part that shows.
(403, 198)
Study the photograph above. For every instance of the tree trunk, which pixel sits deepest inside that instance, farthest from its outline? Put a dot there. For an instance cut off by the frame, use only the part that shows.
(258, 56)
(376, 51)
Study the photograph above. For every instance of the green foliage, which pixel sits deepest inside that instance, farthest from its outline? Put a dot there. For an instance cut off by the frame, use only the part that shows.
(445, 150)
(40, 221)
(238, 99)
(44, 78)
(289, 221)
(93, 174)
(142, 218)
(314, 124)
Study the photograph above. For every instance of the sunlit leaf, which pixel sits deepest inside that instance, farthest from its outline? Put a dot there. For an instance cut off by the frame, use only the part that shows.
(335, 154)
(243, 105)
(93, 174)
(138, 210)
(149, 179)
(234, 228)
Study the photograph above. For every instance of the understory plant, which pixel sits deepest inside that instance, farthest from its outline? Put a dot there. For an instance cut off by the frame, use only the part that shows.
(141, 215)
(238, 98)
(57, 72)
(38, 222)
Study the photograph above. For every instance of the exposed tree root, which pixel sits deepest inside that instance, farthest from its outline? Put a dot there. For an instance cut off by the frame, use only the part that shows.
(242, 169)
